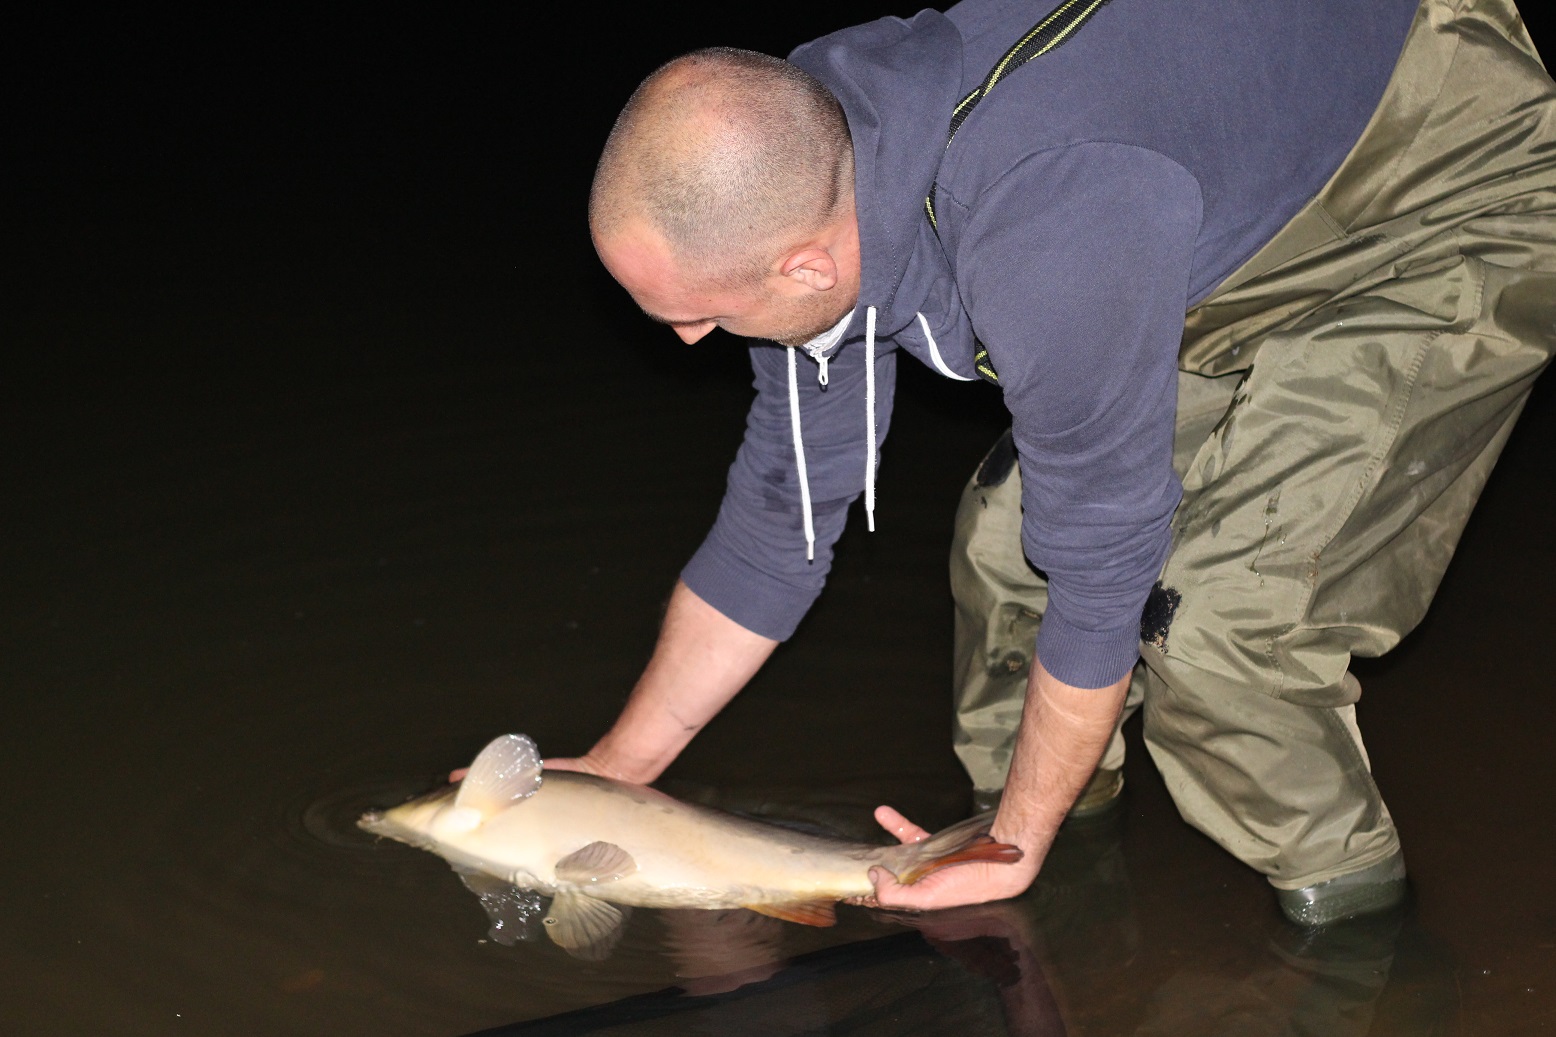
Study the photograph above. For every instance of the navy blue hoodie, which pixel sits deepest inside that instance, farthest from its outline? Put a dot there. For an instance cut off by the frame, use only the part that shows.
(1096, 194)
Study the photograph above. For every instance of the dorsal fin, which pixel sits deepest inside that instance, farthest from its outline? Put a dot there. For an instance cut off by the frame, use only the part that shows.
(506, 771)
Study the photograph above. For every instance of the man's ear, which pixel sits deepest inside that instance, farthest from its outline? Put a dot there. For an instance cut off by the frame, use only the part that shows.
(813, 268)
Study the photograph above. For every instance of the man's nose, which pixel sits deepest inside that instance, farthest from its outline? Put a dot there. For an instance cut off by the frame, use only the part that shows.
(692, 332)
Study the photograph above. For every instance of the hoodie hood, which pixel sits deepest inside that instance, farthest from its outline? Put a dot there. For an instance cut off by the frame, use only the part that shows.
(898, 80)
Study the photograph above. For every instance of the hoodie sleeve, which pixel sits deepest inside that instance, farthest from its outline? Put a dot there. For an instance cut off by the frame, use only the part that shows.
(1074, 268)
(752, 565)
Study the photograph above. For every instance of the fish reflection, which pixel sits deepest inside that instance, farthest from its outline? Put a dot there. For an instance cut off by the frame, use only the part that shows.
(716, 952)
(965, 971)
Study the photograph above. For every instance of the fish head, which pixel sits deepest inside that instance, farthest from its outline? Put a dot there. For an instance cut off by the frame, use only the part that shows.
(422, 822)
(449, 821)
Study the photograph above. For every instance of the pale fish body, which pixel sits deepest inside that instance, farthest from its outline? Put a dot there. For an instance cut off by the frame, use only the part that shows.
(591, 842)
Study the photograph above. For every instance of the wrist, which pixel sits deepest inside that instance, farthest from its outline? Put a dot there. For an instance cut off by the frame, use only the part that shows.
(622, 758)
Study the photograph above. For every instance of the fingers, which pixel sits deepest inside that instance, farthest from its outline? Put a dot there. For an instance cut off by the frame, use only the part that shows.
(973, 883)
(457, 775)
(905, 831)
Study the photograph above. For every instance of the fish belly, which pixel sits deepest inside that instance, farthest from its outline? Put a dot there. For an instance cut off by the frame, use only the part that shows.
(684, 857)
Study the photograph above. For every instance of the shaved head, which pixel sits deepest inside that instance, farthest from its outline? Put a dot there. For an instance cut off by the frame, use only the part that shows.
(731, 156)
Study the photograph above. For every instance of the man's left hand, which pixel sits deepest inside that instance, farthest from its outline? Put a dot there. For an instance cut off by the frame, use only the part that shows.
(973, 883)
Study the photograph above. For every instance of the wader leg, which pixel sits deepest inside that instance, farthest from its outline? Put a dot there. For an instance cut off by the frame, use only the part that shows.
(1316, 523)
(1000, 599)
(1394, 327)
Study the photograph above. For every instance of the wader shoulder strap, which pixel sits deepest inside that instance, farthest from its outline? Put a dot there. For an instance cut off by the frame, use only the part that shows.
(1057, 26)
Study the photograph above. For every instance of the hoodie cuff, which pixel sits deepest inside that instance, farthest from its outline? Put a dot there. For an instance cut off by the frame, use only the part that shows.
(1085, 658)
(745, 594)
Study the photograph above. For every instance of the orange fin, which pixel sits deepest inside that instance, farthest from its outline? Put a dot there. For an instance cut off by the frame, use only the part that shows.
(979, 848)
(820, 913)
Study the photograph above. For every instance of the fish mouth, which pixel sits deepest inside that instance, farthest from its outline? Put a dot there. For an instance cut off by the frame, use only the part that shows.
(376, 823)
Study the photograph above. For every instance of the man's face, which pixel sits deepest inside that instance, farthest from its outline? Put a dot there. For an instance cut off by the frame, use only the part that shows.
(778, 308)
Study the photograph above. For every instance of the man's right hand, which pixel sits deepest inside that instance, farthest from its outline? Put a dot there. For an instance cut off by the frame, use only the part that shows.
(588, 763)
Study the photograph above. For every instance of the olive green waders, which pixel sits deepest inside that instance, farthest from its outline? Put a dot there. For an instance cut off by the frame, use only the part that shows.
(1342, 399)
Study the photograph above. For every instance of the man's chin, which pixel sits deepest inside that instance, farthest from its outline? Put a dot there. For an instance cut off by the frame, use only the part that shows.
(795, 340)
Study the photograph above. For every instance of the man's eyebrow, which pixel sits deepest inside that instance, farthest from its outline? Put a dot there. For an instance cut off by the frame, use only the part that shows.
(676, 323)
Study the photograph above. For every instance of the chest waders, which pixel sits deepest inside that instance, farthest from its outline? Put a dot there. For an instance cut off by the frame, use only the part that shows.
(1343, 397)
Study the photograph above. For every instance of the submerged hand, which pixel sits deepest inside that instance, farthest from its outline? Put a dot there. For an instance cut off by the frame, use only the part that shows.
(972, 883)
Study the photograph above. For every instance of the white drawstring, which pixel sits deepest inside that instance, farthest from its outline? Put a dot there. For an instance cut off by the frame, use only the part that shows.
(869, 423)
(799, 455)
(819, 355)
(935, 357)
(817, 349)
(934, 354)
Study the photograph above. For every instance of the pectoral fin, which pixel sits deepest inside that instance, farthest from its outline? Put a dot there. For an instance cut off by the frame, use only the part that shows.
(598, 862)
(820, 913)
(506, 771)
(584, 926)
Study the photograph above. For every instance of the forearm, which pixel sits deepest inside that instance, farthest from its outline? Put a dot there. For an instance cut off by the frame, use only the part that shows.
(701, 661)
(1063, 733)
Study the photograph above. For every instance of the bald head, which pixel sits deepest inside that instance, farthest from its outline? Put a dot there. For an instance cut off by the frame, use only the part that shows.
(732, 156)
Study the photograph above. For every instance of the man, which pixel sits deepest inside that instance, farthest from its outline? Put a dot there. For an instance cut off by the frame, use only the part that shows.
(1354, 206)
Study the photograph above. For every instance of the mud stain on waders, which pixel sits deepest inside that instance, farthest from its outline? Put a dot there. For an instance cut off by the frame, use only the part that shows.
(1156, 618)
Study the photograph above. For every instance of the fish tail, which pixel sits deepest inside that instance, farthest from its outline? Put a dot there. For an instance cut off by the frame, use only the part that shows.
(962, 843)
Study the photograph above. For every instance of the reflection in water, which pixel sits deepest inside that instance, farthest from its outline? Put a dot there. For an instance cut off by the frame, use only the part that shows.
(899, 984)
(1280, 994)
(718, 951)
(515, 914)
(999, 941)
(1377, 974)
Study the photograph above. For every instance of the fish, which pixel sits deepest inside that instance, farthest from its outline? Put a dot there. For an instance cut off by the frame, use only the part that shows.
(596, 846)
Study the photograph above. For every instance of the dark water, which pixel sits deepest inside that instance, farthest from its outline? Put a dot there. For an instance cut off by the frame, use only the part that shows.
(330, 454)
